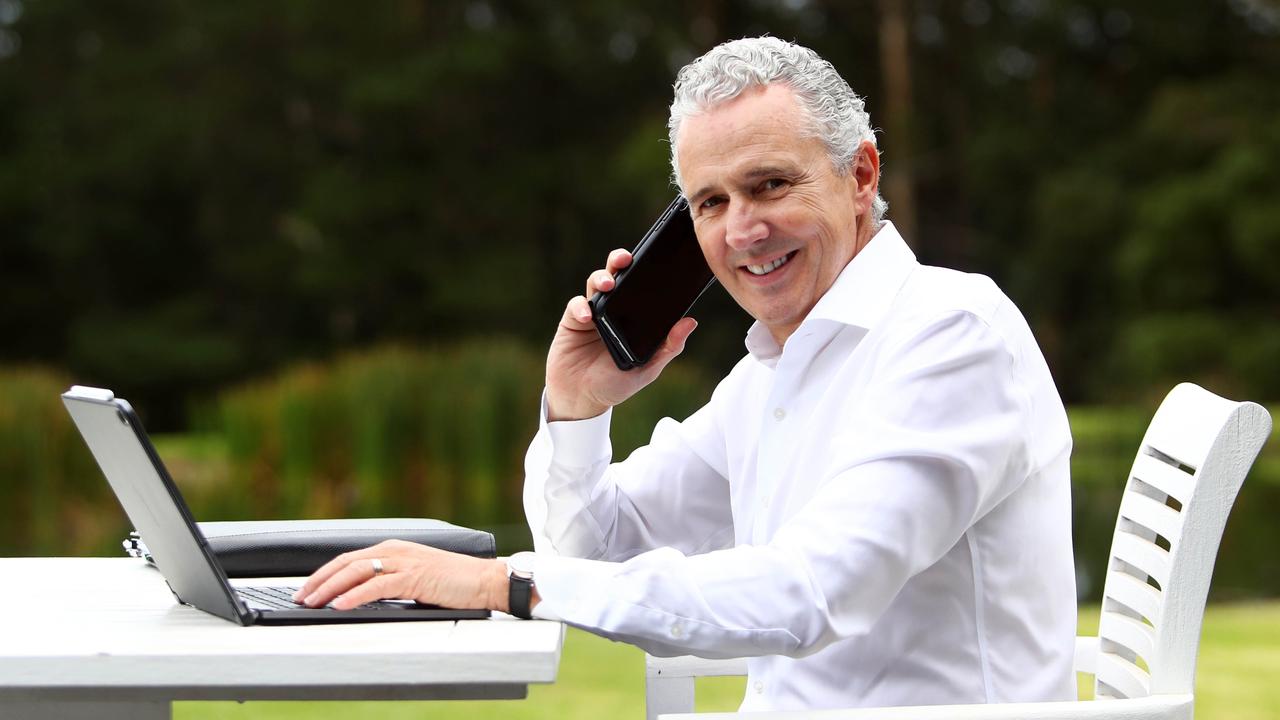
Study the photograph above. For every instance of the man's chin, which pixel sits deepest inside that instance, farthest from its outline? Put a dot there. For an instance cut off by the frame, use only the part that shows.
(778, 321)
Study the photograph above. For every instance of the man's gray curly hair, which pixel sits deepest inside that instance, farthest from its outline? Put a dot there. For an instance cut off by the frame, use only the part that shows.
(837, 115)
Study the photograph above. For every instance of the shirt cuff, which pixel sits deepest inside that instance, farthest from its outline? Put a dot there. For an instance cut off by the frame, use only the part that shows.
(568, 588)
(578, 443)
(544, 611)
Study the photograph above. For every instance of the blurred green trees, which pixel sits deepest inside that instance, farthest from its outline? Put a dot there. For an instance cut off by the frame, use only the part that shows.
(193, 194)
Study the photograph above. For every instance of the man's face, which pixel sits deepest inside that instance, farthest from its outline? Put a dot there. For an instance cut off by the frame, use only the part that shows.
(775, 221)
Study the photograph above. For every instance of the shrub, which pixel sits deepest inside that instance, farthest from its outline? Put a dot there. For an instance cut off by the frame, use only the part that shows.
(396, 431)
(442, 433)
(54, 495)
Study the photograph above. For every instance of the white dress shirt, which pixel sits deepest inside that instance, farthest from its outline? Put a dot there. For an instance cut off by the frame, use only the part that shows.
(876, 514)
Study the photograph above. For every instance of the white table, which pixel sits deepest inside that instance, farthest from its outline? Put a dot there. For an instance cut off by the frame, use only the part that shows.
(103, 638)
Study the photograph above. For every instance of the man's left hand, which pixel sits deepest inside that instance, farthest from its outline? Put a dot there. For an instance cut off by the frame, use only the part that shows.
(407, 571)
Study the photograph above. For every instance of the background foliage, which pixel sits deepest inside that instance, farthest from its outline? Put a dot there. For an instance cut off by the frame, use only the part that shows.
(193, 194)
(323, 246)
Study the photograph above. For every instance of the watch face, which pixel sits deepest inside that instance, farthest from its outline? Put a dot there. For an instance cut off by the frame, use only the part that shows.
(521, 564)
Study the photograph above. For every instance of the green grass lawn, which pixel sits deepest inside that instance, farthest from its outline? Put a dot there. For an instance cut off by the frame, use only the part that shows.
(1238, 678)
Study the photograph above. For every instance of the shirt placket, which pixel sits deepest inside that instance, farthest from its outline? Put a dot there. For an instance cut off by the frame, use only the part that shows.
(778, 419)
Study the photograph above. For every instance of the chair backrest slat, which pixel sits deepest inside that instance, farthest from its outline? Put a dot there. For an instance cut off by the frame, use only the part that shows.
(1137, 596)
(1151, 514)
(1119, 677)
(1184, 480)
(1140, 555)
(1131, 633)
(1164, 477)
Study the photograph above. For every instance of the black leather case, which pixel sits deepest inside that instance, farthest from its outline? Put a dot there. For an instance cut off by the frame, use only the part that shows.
(282, 548)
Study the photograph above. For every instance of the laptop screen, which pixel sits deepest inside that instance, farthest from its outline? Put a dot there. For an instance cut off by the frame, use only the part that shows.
(118, 442)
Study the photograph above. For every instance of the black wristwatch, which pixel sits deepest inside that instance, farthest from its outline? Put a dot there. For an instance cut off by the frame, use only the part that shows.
(520, 584)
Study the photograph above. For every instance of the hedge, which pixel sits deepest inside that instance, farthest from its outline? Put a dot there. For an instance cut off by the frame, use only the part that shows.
(442, 433)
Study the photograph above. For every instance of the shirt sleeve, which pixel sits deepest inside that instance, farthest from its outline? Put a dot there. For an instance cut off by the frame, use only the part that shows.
(916, 460)
(666, 494)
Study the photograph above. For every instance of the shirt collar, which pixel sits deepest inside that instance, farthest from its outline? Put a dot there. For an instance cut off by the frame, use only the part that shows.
(860, 296)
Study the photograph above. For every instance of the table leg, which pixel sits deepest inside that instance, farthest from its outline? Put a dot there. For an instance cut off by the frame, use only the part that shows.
(87, 710)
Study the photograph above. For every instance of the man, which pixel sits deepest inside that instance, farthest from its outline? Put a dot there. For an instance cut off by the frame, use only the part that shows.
(874, 505)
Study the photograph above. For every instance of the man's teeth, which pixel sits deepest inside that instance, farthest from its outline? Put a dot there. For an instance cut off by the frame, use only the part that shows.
(768, 267)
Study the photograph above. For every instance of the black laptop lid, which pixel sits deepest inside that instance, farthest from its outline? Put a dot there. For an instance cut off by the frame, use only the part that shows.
(118, 442)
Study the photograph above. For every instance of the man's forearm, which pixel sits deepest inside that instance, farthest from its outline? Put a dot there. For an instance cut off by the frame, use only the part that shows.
(563, 461)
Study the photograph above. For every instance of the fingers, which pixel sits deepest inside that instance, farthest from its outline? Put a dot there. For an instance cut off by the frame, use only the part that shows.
(356, 572)
(577, 315)
(603, 280)
(319, 577)
(618, 259)
(373, 589)
(599, 281)
(383, 550)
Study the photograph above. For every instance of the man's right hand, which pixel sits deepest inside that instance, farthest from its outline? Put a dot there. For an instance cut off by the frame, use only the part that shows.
(582, 379)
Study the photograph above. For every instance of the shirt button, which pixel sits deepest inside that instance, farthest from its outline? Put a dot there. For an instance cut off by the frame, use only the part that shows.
(779, 414)
(759, 687)
(676, 630)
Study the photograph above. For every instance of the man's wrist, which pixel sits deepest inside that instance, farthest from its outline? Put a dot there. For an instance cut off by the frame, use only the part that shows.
(561, 411)
(498, 587)
(499, 590)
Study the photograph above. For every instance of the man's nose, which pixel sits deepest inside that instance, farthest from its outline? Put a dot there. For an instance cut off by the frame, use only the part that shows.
(745, 226)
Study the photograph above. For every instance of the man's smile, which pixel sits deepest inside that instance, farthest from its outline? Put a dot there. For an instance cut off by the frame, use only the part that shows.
(768, 267)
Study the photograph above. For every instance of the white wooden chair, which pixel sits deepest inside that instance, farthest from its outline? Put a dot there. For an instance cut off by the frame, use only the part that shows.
(1184, 480)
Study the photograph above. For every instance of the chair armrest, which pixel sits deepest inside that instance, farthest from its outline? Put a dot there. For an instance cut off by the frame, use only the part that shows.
(669, 688)
(690, 666)
(1087, 655)
(668, 682)
(1086, 661)
(1156, 707)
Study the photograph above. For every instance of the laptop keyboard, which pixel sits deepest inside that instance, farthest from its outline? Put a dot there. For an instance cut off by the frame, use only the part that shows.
(269, 597)
(278, 597)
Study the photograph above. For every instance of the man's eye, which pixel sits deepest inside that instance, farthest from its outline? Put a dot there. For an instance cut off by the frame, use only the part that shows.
(711, 202)
(773, 184)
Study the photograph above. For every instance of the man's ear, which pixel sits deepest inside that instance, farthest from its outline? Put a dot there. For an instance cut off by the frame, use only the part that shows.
(865, 174)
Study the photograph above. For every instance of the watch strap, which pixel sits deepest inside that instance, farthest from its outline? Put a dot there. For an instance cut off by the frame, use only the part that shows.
(519, 596)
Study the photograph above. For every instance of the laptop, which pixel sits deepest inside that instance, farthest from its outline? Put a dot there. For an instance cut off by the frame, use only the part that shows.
(150, 498)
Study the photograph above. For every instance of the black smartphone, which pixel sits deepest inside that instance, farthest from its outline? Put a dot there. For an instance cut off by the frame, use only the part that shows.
(667, 275)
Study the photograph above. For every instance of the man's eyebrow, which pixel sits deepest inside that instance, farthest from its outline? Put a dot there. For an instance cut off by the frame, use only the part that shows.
(769, 171)
(694, 197)
(754, 173)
